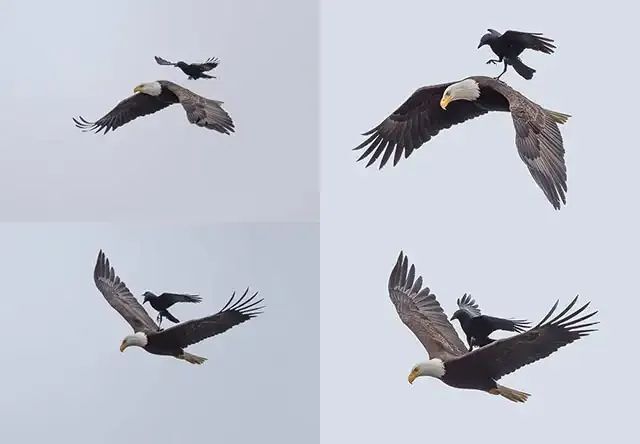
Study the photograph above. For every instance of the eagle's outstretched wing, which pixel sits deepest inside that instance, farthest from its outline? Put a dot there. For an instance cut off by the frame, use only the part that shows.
(119, 297)
(233, 313)
(421, 312)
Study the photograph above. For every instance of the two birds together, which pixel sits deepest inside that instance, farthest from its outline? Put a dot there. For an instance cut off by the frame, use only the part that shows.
(431, 109)
(149, 98)
(172, 341)
(539, 142)
(479, 369)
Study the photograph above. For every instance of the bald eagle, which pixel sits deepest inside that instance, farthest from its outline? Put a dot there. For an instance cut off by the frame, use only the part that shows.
(477, 327)
(151, 97)
(172, 341)
(433, 108)
(511, 44)
(193, 70)
(482, 368)
(165, 300)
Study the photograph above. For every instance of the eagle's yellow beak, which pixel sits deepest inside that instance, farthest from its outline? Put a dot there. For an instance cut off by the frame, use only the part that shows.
(412, 377)
(444, 102)
(123, 346)
(137, 89)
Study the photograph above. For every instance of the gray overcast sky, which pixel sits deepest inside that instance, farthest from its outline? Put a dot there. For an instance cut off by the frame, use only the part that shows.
(68, 58)
(464, 209)
(64, 379)
(468, 214)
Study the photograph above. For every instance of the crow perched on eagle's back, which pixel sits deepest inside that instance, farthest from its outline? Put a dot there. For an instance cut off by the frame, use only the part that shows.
(511, 44)
(477, 327)
(165, 300)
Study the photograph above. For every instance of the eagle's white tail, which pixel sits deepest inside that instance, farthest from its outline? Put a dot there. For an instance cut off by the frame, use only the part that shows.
(558, 117)
(510, 394)
(192, 359)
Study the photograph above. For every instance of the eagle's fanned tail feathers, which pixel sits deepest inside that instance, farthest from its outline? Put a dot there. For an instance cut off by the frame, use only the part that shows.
(510, 394)
(192, 359)
(557, 117)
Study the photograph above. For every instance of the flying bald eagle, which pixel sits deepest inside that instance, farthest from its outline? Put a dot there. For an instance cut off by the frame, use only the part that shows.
(477, 327)
(433, 108)
(165, 300)
(172, 341)
(482, 368)
(193, 70)
(151, 97)
(511, 44)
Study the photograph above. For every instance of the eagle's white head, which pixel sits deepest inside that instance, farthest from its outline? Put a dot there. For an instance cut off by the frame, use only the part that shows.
(138, 339)
(151, 88)
(467, 89)
(433, 368)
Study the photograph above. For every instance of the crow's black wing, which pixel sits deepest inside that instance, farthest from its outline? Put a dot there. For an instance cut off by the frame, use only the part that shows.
(530, 40)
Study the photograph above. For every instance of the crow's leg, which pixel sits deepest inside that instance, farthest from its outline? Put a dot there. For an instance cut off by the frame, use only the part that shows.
(159, 321)
(503, 71)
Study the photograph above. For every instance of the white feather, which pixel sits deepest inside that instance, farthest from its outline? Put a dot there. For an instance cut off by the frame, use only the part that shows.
(468, 89)
(433, 367)
(152, 88)
(138, 339)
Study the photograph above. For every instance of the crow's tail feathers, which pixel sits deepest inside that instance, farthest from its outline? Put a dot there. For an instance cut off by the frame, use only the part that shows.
(522, 69)
(166, 314)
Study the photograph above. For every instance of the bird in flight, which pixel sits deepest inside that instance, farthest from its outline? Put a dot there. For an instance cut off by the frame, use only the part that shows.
(149, 98)
(480, 369)
(511, 44)
(193, 70)
(434, 108)
(172, 341)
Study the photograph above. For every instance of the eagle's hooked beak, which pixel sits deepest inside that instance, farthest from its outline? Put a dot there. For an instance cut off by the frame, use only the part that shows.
(412, 376)
(137, 89)
(123, 346)
(444, 102)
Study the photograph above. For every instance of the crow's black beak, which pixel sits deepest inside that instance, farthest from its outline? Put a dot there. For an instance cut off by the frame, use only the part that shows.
(480, 45)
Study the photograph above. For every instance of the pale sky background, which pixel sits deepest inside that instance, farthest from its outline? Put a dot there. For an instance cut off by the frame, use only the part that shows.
(64, 379)
(463, 207)
(69, 58)
(468, 214)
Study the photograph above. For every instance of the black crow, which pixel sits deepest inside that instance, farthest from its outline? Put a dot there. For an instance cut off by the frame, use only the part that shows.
(193, 70)
(165, 300)
(478, 327)
(511, 44)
